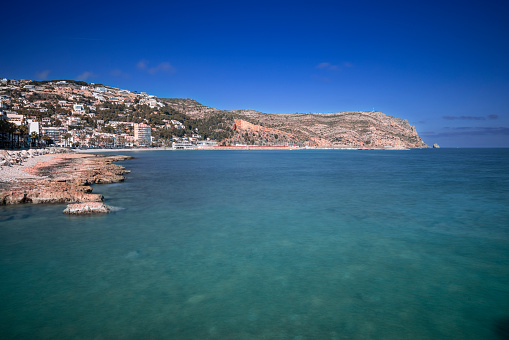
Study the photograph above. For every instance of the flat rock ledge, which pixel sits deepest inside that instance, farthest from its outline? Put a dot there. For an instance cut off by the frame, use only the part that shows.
(61, 178)
(87, 208)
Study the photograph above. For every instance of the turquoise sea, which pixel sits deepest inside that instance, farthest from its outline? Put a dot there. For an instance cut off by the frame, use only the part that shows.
(311, 244)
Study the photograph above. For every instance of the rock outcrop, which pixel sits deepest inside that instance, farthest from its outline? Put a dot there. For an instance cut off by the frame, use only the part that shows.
(245, 131)
(87, 208)
(63, 178)
(36, 192)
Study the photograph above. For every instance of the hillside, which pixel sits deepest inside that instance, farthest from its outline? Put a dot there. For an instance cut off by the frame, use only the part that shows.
(371, 129)
(68, 112)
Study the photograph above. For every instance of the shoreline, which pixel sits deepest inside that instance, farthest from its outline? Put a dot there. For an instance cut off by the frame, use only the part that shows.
(58, 177)
(219, 148)
(61, 175)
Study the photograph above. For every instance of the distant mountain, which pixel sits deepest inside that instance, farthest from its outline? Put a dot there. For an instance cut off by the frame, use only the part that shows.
(359, 129)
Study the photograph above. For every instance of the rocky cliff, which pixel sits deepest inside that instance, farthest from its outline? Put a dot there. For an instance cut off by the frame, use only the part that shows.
(359, 129)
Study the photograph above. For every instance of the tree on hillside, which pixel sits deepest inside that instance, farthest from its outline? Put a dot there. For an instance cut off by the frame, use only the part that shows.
(108, 129)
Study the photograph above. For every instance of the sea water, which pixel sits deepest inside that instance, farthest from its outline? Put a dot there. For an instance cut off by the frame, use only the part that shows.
(308, 244)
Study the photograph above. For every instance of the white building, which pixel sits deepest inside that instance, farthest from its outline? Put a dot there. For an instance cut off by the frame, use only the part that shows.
(34, 126)
(182, 145)
(73, 121)
(15, 118)
(152, 103)
(207, 144)
(142, 134)
(78, 108)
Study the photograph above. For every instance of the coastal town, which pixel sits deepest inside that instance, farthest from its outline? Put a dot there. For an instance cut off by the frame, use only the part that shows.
(48, 128)
(76, 114)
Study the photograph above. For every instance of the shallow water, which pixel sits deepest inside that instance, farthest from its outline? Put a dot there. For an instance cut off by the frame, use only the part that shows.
(270, 244)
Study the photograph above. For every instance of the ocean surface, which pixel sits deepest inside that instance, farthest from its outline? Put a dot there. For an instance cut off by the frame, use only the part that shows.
(311, 244)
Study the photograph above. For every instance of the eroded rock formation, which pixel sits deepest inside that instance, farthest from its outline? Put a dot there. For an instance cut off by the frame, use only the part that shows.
(87, 208)
(64, 178)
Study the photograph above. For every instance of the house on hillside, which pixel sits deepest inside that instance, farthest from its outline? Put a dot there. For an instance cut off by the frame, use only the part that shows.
(78, 109)
(16, 118)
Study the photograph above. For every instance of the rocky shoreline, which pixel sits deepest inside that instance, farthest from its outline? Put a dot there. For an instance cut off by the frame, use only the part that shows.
(56, 176)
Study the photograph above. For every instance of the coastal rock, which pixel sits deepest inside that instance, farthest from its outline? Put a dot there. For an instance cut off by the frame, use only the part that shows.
(436, 146)
(20, 156)
(42, 193)
(63, 178)
(87, 208)
(62, 196)
(24, 154)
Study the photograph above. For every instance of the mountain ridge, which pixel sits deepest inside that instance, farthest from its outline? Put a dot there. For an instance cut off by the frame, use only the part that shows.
(353, 129)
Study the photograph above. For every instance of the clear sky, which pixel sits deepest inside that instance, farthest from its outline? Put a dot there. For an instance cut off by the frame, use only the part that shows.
(442, 65)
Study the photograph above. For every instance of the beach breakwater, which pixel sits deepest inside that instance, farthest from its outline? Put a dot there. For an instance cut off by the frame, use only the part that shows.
(55, 176)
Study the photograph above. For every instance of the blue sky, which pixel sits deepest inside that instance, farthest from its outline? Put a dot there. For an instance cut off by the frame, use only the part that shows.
(442, 65)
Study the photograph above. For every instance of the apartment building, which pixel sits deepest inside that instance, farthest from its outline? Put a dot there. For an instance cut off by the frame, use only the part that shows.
(142, 134)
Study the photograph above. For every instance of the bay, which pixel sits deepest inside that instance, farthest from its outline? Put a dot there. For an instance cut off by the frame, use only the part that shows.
(308, 244)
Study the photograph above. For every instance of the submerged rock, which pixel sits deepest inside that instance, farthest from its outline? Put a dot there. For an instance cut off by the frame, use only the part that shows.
(135, 254)
(87, 208)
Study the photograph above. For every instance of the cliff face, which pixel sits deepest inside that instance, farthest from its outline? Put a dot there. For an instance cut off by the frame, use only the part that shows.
(359, 129)
(354, 129)
(246, 132)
